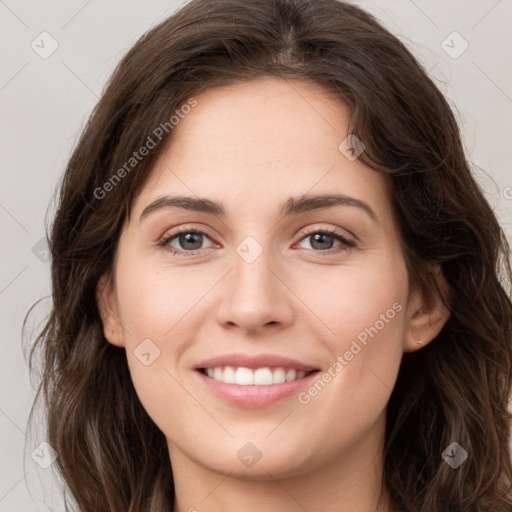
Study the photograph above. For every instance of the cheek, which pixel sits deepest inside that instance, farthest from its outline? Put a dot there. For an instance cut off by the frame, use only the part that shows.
(155, 301)
(159, 310)
(362, 311)
(362, 299)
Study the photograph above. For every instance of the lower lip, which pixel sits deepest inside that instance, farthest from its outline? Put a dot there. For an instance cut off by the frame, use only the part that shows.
(255, 395)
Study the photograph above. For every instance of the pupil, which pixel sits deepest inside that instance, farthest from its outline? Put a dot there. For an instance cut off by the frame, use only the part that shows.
(316, 238)
(189, 238)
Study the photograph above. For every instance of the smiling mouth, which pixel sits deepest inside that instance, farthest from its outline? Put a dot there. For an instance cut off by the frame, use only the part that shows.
(254, 377)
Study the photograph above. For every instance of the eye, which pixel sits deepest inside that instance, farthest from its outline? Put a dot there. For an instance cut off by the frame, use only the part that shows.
(321, 240)
(189, 240)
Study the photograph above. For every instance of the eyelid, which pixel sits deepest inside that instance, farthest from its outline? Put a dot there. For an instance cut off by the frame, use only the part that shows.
(333, 232)
(171, 233)
(329, 231)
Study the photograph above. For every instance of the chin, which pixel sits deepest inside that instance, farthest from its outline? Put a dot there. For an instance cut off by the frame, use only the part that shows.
(257, 461)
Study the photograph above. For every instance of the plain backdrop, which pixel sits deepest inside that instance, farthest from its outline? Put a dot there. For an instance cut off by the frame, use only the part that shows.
(45, 100)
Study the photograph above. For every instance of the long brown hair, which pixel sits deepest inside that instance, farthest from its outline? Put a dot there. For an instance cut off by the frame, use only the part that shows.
(456, 389)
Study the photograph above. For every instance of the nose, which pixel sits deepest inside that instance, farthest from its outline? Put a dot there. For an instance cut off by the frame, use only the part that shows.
(255, 296)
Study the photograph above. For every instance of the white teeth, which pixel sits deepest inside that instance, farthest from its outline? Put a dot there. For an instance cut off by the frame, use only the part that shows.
(247, 376)
(244, 376)
(229, 375)
(218, 373)
(263, 376)
(279, 375)
(291, 375)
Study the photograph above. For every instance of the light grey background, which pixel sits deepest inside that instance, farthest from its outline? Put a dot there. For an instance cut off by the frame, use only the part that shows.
(44, 103)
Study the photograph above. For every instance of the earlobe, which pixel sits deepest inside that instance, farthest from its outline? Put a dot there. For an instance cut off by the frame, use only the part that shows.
(428, 315)
(107, 307)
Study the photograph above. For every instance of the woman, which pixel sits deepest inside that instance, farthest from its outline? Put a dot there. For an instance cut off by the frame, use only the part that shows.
(338, 335)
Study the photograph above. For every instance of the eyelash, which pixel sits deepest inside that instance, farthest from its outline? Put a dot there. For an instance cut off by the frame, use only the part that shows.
(348, 244)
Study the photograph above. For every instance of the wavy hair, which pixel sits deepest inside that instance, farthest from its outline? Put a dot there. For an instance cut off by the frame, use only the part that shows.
(111, 456)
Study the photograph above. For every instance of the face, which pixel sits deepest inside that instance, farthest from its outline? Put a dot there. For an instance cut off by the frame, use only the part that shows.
(263, 334)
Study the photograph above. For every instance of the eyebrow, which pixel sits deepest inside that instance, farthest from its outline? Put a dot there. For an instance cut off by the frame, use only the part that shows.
(293, 206)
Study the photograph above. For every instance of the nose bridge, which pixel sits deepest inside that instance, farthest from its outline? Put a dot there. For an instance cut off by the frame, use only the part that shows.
(255, 296)
(251, 275)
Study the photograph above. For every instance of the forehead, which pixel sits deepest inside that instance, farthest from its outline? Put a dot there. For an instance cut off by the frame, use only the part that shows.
(255, 144)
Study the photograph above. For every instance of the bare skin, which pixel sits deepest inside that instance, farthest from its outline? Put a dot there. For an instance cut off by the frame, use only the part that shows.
(251, 147)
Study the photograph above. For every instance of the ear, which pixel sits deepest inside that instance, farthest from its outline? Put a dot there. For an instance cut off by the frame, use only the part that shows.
(107, 306)
(427, 314)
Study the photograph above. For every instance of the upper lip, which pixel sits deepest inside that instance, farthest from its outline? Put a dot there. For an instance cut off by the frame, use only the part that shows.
(256, 361)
